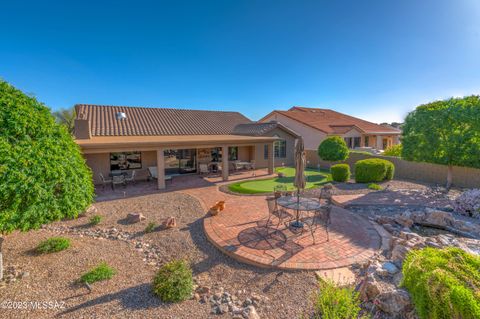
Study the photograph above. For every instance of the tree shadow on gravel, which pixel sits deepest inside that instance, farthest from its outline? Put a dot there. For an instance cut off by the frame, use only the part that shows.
(134, 298)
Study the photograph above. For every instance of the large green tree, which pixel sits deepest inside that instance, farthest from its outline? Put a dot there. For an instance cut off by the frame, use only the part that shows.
(444, 132)
(66, 117)
(43, 176)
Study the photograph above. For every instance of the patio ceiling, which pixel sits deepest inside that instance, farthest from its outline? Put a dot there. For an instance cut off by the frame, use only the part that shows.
(99, 144)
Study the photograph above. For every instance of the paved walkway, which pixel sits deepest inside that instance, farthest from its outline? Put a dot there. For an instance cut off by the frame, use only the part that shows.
(239, 232)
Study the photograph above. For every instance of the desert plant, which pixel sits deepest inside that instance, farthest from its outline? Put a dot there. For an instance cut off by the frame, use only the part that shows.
(43, 175)
(340, 172)
(95, 220)
(333, 148)
(444, 132)
(394, 150)
(443, 283)
(331, 302)
(375, 187)
(468, 203)
(150, 227)
(53, 244)
(373, 170)
(102, 272)
(173, 281)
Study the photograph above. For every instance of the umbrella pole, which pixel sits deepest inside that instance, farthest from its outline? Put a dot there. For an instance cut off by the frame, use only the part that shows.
(298, 206)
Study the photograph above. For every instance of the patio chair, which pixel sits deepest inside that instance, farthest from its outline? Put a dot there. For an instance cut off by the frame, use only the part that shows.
(203, 169)
(105, 181)
(117, 180)
(273, 210)
(280, 190)
(320, 217)
(152, 170)
(130, 178)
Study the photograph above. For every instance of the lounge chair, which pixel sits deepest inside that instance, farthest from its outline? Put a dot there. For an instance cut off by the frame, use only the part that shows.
(153, 172)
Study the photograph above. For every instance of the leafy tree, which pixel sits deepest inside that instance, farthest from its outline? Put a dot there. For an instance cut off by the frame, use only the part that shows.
(333, 148)
(444, 132)
(394, 150)
(66, 117)
(43, 176)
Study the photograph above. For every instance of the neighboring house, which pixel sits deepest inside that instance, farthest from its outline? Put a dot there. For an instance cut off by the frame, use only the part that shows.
(314, 125)
(176, 141)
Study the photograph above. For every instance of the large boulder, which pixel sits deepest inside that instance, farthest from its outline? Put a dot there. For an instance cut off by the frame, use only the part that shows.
(439, 218)
(396, 303)
(133, 218)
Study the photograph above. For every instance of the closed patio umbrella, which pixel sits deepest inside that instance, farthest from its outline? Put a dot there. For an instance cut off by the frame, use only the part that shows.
(300, 179)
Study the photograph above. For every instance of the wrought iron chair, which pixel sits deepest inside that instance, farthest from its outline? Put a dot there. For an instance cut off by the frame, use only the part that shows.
(279, 190)
(105, 181)
(273, 210)
(131, 178)
(320, 217)
(117, 180)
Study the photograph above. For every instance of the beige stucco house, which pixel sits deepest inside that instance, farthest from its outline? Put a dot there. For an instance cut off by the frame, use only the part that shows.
(176, 141)
(314, 125)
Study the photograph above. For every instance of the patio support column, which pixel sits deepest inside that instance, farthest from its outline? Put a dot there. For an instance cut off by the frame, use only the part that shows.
(225, 162)
(160, 169)
(379, 142)
(271, 160)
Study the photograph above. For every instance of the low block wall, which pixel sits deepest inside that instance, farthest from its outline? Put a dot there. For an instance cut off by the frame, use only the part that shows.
(422, 172)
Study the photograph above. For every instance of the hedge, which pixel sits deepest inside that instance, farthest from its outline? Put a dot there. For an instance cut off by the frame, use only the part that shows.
(443, 283)
(43, 176)
(340, 172)
(333, 148)
(373, 170)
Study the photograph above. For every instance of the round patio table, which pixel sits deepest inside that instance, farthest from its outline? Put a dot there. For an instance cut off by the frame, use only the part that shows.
(298, 204)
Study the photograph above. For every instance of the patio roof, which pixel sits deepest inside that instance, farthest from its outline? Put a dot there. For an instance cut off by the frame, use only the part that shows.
(99, 144)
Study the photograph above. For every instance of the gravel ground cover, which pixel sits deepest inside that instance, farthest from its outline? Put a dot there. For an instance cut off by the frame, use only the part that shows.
(136, 256)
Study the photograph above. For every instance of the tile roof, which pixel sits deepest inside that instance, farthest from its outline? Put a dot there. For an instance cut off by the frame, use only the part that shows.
(332, 122)
(145, 121)
(260, 129)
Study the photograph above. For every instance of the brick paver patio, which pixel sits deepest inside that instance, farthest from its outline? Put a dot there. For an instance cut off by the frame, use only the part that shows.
(239, 231)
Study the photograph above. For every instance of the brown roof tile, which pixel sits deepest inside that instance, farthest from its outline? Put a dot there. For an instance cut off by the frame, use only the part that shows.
(144, 121)
(332, 122)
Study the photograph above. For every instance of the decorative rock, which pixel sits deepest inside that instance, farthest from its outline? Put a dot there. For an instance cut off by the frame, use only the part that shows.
(133, 218)
(438, 218)
(247, 302)
(394, 302)
(398, 253)
(170, 222)
(223, 308)
(390, 268)
(250, 313)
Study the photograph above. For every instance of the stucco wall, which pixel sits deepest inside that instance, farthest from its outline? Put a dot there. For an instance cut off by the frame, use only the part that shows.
(421, 172)
(311, 137)
(261, 162)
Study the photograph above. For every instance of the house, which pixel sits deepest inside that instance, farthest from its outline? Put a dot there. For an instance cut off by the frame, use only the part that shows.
(177, 141)
(314, 125)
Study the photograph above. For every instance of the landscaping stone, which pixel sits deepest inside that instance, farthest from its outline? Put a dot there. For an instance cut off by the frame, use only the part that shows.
(438, 218)
(394, 303)
(250, 313)
(390, 268)
(133, 218)
(398, 253)
(170, 222)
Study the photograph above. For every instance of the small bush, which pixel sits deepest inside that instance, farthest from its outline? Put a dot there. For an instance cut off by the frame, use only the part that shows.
(99, 273)
(373, 170)
(340, 172)
(468, 203)
(333, 148)
(331, 302)
(375, 187)
(150, 227)
(95, 219)
(53, 245)
(443, 283)
(394, 150)
(173, 281)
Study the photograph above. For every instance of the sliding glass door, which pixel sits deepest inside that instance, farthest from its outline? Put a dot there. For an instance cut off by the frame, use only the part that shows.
(182, 161)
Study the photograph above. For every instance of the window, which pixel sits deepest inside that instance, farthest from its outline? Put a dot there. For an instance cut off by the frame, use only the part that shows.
(348, 141)
(265, 151)
(356, 142)
(233, 153)
(366, 141)
(280, 149)
(125, 160)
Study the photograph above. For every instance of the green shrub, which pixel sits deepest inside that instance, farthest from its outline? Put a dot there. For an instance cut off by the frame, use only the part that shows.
(375, 187)
(373, 170)
(43, 176)
(394, 150)
(331, 302)
(99, 273)
(173, 281)
(53, 244)
(443, 283)
(95, 219)
(150, 227)
(340, 172)
(333, 148)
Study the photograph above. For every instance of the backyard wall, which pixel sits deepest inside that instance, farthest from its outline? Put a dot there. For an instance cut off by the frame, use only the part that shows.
(421, 172)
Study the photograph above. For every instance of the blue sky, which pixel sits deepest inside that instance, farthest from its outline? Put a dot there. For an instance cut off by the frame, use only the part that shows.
(373, 59)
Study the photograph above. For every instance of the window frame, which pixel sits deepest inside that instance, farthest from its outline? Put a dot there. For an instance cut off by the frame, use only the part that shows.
(140, 163)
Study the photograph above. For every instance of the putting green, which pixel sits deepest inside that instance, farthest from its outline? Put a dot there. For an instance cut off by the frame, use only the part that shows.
(315, 178)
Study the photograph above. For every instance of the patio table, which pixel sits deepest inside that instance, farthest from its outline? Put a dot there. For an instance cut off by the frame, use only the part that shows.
(299, 204)
(111, 174)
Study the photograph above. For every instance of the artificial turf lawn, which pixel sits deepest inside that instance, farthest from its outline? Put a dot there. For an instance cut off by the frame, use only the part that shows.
(315, 178)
